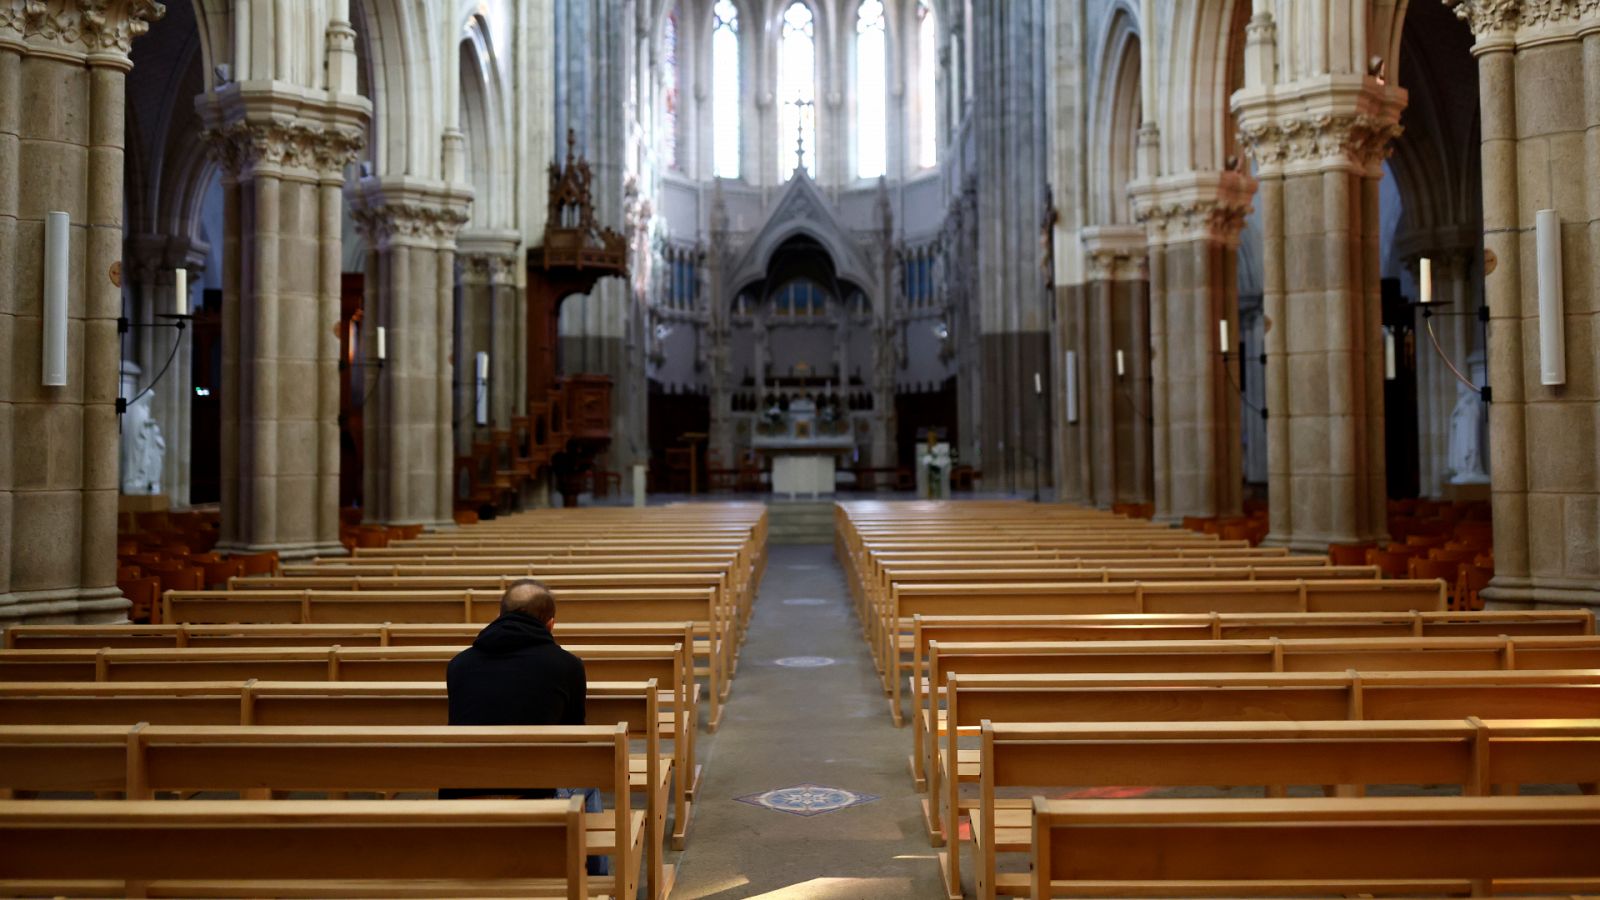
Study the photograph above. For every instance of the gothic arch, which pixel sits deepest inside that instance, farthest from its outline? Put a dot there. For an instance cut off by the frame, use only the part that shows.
(485, 121)
(395, 55)
(1115, 115)
(1198, 71)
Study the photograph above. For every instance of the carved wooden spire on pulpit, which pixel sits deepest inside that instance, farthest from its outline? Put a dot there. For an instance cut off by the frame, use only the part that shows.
(577, 252)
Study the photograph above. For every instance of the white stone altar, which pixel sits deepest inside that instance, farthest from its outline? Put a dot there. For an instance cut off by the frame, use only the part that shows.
(803, 461)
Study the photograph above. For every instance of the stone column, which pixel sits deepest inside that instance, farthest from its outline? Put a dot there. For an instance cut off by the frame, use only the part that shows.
(63, 69)
(283, 151)
(487, 264)
(1192, 225)
(1539, 88)
(1320, 160)
(1107, 452)
(410, 227)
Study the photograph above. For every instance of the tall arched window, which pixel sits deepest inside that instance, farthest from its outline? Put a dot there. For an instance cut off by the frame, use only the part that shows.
(871, 91)
(669, 89)
(725, 89)
(797, 91)
(927, 85)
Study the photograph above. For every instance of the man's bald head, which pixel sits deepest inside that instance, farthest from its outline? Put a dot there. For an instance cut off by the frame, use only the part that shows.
(531, 598)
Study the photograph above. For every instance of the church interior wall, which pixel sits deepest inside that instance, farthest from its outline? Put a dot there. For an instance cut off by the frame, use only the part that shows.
(1112, 175)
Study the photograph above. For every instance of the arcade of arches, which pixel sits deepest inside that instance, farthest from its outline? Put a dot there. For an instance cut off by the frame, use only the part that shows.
(1162, 252)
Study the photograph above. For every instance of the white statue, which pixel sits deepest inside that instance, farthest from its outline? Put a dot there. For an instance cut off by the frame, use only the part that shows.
(143, 447)
(933, 471)
(1466, 451)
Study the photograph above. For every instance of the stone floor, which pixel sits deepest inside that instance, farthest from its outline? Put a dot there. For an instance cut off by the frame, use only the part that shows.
(807, 712)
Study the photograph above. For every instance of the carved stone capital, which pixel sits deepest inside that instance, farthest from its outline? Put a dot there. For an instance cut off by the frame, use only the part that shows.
(1499, 16)
(1209, 217)
(485, 268)
(244, 146)
(79, 26)
(408, 222)
(1357, 139)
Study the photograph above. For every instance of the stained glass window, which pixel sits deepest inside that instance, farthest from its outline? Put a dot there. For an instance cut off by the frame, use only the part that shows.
(669, 107)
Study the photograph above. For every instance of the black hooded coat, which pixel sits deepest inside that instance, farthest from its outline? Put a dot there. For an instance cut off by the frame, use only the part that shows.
(514, 674)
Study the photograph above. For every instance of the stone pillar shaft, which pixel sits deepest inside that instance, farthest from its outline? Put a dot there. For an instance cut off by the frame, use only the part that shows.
(410, 420)
(62, 77)
(1193, 222)
(1319, 164)
(1539, 144)
(281, 253)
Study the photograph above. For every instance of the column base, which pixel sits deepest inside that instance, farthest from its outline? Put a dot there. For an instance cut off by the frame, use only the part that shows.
(287, 552)
(73, 606)
(1520, 593)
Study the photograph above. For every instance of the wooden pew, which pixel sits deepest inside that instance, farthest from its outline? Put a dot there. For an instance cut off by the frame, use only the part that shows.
(665, 665)
(712, 635)
(1468, 654)
(147, 760)
(267, 849)
(254, 702)
(1009, 599)
(1476, 756)
(1375, 846)
(1234, 697)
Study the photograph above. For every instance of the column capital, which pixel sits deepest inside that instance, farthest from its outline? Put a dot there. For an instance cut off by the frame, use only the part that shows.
(102, 30)
(407, 211)
(1491, 18)
(1333, 121)
(283, 129)
(1115, 252)
(1193, 206)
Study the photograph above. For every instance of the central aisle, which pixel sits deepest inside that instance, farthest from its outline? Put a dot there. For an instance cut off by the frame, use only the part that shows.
(806, 724)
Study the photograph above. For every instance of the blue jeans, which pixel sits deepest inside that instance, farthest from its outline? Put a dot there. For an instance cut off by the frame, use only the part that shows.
(597, 865)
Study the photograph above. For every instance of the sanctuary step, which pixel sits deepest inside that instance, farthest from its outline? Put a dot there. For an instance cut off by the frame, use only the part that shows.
(799, 523)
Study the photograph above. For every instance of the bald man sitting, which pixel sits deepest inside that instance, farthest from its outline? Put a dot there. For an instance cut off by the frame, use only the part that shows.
(516, 674)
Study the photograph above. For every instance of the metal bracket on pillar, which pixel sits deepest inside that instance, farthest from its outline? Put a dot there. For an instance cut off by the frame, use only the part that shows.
(344, 365)
(173, 320)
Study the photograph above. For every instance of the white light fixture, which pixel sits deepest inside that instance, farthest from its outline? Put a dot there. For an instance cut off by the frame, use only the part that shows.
(1121, 365)
(1072, 387)
(53, 352)
(1552, 307)
(483, 388)
(1222, 333)
(1425, 279)
(1388, 355)
(383, 345)
(1038, 385)
(180, 290)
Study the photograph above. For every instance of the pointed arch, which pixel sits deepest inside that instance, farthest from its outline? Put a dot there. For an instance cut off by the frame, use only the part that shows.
(1115, 113)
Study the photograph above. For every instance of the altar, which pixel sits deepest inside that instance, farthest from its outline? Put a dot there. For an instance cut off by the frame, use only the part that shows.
(804, 460)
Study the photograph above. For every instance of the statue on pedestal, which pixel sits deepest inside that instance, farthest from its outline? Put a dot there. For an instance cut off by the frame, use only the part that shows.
(143, 447)
(1467, 457)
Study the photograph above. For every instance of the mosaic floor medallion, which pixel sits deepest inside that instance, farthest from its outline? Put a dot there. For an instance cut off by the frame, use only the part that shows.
(805, 662)
(805, 601)
(807, 799)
